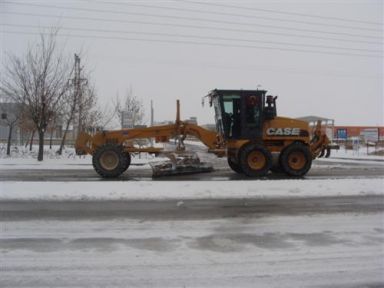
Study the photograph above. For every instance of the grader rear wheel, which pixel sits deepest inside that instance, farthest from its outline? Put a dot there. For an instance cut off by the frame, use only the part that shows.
(296, 160)
(255, 160)
(109, 160)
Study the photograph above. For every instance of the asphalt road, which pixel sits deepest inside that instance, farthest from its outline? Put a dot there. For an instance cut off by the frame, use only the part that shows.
(188, 209)
(307, 242)
(321, 169)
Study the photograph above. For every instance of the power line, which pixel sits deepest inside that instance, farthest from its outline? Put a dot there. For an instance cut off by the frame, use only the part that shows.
(197, 43)
(241, 66)
(234, 14)
(98, 19)
(280, 12)
(187, 18)
(195, 37)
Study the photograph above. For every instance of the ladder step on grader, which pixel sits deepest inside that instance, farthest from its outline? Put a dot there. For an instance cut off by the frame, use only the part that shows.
(248, 132)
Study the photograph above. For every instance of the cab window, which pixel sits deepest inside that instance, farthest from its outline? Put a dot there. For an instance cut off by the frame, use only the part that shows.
(252, 111)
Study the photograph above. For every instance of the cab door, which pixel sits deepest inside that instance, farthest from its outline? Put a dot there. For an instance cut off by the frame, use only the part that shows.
(252, 114)
(231, 108)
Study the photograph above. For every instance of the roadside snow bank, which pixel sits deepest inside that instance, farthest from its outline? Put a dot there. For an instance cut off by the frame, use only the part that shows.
(179, 190)
(76, 162)
(362, 154)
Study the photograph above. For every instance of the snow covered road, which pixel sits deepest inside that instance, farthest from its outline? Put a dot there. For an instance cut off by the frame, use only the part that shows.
(286, 233)
(310, 249)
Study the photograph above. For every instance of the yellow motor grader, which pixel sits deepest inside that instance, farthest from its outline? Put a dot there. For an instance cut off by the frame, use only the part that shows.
(248, 132)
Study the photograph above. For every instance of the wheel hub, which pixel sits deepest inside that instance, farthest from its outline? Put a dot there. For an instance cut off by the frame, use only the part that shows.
(296, 160)
(109, 160)
(256, 160)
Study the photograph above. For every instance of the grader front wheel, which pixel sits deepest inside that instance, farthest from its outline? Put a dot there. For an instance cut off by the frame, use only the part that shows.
(110, 161)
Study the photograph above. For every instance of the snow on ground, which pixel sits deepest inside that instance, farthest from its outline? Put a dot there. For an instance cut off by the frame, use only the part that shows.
(22, 158)
(75, 162)
(361, 153)
(328, 250)
(162, 190)
(335, 161)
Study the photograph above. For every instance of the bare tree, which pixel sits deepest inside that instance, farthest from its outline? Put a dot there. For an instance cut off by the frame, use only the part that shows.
(27, 127)
(38, 80)
(52, 129)
(89, 116)
(90, 112)
(67, 115)
(131, 111)
(105, 116)
(80, 104)
(11, 113)
(33, 132)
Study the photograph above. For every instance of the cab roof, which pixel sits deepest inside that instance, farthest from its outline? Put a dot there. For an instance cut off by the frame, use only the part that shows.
(232, 91)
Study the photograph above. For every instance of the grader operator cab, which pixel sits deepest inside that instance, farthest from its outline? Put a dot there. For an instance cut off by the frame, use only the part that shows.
(248, 131)
(239, 114)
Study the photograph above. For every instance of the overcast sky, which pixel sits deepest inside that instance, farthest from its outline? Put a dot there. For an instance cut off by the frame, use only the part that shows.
(321, 57)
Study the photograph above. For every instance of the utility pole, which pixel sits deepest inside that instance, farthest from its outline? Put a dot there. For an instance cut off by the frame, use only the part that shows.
(77, 83)
(76, 103)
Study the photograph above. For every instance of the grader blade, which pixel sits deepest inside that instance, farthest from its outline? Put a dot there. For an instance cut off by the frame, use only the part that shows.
(180, 164)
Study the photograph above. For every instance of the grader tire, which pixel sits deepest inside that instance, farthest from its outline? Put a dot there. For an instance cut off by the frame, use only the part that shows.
(255, 160)
(234, 166)
(296, 160)
(128, 157)
(110, 161)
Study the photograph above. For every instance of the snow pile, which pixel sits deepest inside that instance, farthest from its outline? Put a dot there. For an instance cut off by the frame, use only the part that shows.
(181, 190)
(22, 158)
(363, 153)
(24, 152)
